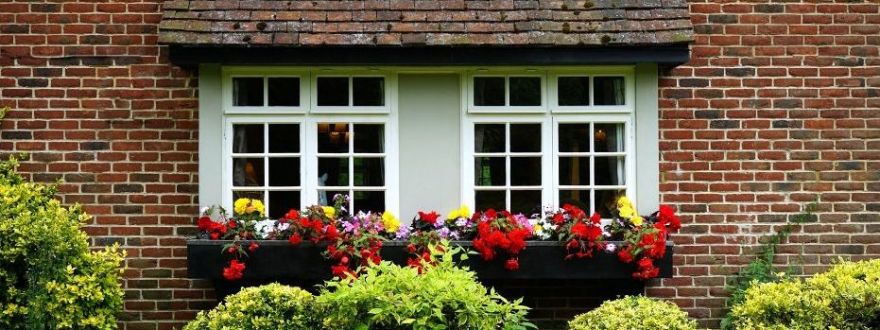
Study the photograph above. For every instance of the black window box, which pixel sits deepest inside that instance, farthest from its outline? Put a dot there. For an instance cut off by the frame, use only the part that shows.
(283, 262)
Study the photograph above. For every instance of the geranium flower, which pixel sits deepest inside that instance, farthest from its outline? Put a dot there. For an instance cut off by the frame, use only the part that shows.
(429, 217)
(295, 239)
(235, 270)
(511, 264)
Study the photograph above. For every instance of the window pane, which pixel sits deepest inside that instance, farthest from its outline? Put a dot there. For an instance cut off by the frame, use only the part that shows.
(282, 201)
(368, 91)
(490, 171)
(490, 199)
(247, 172)
(369, 138)
(579, 198)
(369, 201)
(247, 138)
(283, 138)
(574, 137)
(333, 91)
(527, 202)
(489, 138)
(284, 172)
(525, 171)
(605, 202)
(574, 171)
(258, 195)
(333, 171)
(609, 171)
(284, 92)
(333, 137)
(489, 91)
(573, 91)
(608, 91)
(247, 91)
(525, 91)
(325, 197)
(608, 137)
(525, 137)
(369, 172)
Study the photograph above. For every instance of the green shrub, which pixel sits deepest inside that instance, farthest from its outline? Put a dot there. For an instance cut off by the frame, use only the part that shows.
(49, 279)
(845, 297)
(444, 296)
(267, 307)
(634, 313)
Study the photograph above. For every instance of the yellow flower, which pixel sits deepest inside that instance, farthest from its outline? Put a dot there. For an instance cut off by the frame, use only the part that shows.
(623, 201)
(329, 211)
(637, 220)
(539, 229)
(390, 222)
(626, 212)
(248, 205)
(461, 212)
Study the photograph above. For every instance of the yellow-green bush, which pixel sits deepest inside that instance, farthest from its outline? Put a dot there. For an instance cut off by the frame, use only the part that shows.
(634, 313)
(845, 297)
(48, 276)
(268, 307)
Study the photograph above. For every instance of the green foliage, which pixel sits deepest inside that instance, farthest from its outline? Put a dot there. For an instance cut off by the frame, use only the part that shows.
(267, 307)
(846, 297)
(761, 269)
(49, 279)
(444, 296)
(634, 313)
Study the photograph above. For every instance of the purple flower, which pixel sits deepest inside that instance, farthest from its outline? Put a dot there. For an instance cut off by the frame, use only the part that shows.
(443, 232)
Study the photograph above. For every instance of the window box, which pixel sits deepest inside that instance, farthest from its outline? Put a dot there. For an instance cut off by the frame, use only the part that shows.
(280, 261)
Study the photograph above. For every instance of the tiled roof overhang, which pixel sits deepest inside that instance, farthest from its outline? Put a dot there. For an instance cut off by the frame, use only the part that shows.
(427, 32)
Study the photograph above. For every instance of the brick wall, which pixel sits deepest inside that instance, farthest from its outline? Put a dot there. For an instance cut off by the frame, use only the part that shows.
(780, 105)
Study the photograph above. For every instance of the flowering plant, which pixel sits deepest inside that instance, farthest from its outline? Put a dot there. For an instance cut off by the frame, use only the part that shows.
(570, 225)
(240, 228)
(499, 233)
(644, 237)
(316, 224)
(360, 238)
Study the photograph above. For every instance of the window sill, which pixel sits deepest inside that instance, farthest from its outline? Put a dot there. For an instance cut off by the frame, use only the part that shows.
(541, 260)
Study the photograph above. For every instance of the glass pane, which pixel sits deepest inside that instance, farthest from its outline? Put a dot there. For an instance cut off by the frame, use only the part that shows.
(489, 138)
(525, 91)
(282, 201)
(247, 92)
(333, 138)
(579, 198)
(608, 137)
(369, 138)
(369, 201)
(247, 138)
(609, 171)
(333, 171)
(608, 91)
(489, 91)
(258, 195)
(489, 171)
(490, 199)
(284, 92)
(284, 172)
(606, 201)
(525, 171)
(369, 172)
(525, 137)
(572, 91)
(368, 91)
(325, 197)
(333, 91)
(527, 202)
(247, 172)
(574, 171)
(574, 137)
(283, 138)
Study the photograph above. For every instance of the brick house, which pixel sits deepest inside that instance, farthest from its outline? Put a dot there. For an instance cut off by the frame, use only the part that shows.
(738, 114)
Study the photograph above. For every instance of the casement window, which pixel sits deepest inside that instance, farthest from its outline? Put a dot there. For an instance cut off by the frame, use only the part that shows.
(517, 139)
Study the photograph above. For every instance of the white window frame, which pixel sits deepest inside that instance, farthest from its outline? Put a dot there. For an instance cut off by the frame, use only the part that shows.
(610, 71)
(265, 73)
(390, 91)
(468, 90)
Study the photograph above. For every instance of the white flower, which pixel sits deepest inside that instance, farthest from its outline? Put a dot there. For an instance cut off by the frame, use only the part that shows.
(610, 247)
(264, 227)
(204, 210)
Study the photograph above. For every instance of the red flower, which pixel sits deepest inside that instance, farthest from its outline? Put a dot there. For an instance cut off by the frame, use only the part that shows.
(411, 248)
(646, 269)
(291, 215)
(232, 249)
(215, 236)
(253, 246)
(341, 271)
(558, 218)
(331, 234)
(511, 264)
(295, 239)
(596, 218)
(666, 215)
(625, 255)
(429, 217)
(491, 214)
(235, 270)
(204, 223)
(231, 224)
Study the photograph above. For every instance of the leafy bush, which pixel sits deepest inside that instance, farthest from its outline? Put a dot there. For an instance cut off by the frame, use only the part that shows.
(845, 297)
(267, 307)
(48, 277)
(634, 313)
(443, 296)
